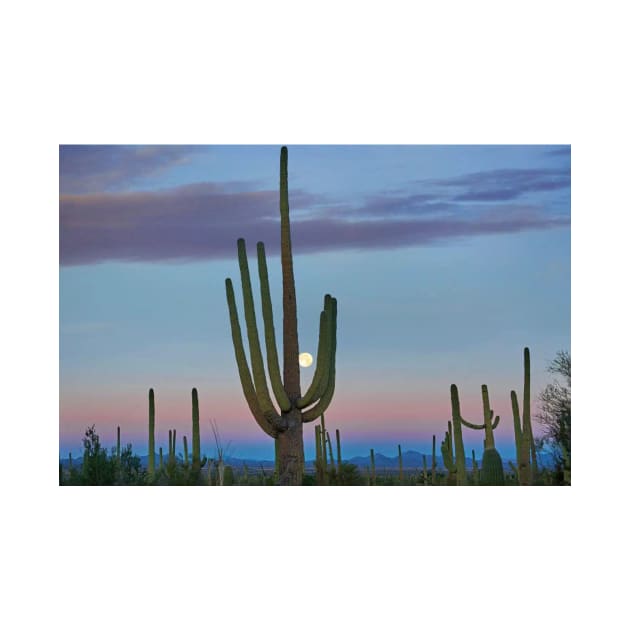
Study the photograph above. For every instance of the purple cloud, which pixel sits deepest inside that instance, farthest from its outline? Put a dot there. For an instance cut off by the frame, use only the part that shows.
(505, 184)
(94, 168)
(203, 221)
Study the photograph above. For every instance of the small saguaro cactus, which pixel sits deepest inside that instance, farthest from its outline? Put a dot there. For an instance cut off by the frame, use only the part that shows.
(330, 451)
(523, 433)
(323, 438)
(400, 464)
(320, 453)
(447, 456)
(197, 462)
(285, 425)
(475, 469)
(118, 444)
(151, 433)
(338, 436)
(172, 439)
(433, 463)
(372, 467)
(185, 452)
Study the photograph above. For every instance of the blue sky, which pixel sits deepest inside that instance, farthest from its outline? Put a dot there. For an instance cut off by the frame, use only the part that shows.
(446, 261)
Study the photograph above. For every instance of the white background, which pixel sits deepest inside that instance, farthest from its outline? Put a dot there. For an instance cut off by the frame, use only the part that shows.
(324, 72)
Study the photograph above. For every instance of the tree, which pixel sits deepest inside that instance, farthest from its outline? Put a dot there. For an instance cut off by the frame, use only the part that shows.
(97, 468)
(555, 410)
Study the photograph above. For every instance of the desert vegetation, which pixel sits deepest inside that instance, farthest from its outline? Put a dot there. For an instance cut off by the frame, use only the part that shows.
(121, 466)
(283, 419)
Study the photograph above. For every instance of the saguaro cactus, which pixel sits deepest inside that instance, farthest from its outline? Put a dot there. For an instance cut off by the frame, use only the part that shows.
(493, 460)
(372, 467)
(285, 425)
(458, 467)
(523, 433)
(433, 463)
(151, 433)
(447, 456)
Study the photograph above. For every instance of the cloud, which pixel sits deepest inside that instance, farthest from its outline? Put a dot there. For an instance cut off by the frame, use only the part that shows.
(203, 221)
(505, 184)
(191, 222)
(92, 168)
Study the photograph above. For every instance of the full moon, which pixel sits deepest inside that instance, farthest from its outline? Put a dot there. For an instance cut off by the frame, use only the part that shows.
(305, 359)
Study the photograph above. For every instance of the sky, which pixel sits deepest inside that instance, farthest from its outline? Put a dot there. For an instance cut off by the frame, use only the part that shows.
(446, 262)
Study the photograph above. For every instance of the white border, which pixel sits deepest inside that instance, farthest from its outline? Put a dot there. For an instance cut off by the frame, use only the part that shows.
(278, 72)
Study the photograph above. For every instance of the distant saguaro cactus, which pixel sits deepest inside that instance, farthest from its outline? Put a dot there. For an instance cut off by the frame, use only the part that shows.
(197, 462)
(285, 425)
(447, 456)
(151, 433)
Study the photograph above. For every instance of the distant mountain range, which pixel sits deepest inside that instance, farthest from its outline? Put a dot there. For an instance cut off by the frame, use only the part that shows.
(411, 460)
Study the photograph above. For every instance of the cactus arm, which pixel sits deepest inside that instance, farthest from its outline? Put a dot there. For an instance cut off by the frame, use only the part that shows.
(320, 378)
(471, 425)
(258, 370)
(289, 301)
(270, 334)
(457, 410)
(324, 401)
(243, 368)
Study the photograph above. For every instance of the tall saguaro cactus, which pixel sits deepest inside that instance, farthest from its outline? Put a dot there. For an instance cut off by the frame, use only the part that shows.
(523, 434)
(151, 433)
(458, 467)
(286, 424)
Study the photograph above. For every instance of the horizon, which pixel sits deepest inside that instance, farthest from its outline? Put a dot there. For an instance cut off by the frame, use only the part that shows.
(446, 260)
